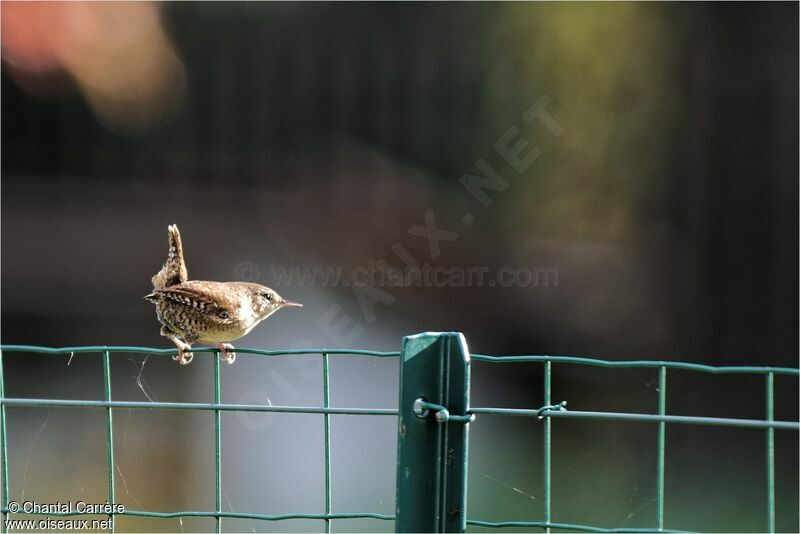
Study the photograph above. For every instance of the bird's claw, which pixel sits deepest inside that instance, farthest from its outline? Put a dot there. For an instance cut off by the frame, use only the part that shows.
(184, 356)
(225, 352)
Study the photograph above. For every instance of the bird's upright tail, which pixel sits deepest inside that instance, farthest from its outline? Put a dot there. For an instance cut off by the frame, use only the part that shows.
(174, 269)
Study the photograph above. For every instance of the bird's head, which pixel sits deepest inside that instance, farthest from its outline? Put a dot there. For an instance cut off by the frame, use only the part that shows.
(266, 301)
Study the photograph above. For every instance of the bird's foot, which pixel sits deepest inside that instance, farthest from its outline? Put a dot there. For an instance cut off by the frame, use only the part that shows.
(184, 356)
(225, 352)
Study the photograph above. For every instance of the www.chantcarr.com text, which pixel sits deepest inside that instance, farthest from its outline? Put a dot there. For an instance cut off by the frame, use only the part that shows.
(380, 274)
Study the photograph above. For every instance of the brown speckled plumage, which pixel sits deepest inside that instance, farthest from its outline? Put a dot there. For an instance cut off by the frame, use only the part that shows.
(209, 312)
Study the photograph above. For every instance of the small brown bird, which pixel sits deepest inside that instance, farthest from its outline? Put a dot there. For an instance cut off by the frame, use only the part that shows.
(208, 312)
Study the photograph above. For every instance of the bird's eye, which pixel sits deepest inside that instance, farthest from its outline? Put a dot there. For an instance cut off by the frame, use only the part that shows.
(267, 296)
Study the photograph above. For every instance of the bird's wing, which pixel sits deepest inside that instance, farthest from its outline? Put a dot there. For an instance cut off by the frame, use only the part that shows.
(174, 270)
(200, 297)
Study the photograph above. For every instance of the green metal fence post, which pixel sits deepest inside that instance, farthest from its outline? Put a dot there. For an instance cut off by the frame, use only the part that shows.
(3, 454)
(662, 431)
(109, 437)
(770, 454)
(432, 445)
(326, 403)
(217, 447)
(548, 371)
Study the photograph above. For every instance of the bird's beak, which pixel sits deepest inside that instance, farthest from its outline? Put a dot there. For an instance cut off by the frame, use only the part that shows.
(289, 303)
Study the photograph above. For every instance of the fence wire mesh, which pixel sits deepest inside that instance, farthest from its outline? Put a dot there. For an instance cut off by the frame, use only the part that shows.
(547, 412)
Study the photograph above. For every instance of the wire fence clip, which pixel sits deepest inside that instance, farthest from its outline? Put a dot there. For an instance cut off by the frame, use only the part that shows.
(422, 409)
(560, 407)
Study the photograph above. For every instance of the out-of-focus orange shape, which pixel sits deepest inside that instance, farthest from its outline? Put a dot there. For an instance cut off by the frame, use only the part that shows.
(117, 53)
(27, 31)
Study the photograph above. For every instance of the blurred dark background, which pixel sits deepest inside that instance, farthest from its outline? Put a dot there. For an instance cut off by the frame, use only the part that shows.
(291, 136)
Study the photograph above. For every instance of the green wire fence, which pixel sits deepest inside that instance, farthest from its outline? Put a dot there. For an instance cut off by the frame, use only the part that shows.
(433, 426)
